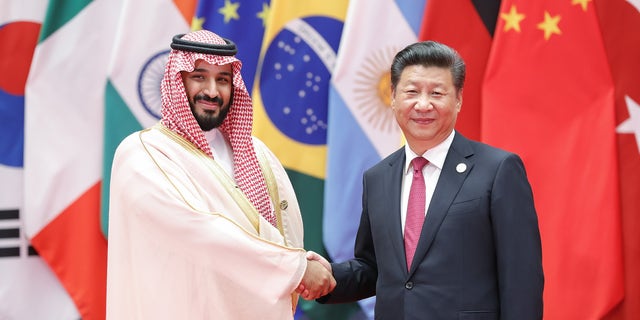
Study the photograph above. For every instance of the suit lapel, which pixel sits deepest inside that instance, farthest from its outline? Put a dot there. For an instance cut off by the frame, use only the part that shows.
(393, 178)
(449, 183)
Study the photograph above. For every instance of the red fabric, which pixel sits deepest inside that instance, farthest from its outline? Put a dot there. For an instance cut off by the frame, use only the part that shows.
(457, 24)
(620, 22)
(177, 116)
(416, 209)
(551, 100)
(75, 249)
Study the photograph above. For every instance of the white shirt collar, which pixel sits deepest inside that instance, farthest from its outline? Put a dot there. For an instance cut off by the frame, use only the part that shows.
(435, 155)
(221, 149)
(214, 138)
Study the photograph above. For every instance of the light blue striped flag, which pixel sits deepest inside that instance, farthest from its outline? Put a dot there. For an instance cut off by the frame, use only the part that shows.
(362, 129)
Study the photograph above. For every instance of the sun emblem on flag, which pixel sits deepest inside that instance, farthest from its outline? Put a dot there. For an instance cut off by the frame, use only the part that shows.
(372, 90)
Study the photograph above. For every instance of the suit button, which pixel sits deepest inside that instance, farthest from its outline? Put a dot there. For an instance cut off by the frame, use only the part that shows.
(408, 285)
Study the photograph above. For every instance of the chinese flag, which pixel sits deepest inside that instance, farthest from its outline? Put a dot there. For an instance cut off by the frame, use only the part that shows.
(467, 27)
(548, 95)
(620, 22)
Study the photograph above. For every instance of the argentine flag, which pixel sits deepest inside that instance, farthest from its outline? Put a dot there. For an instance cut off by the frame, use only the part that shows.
(63, 150)
(362, 129)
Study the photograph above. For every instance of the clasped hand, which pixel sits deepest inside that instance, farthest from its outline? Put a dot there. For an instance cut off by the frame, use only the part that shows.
(318, 280)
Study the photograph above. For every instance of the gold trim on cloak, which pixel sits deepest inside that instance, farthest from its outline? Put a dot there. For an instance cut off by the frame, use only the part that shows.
(272, 187)
(225, 180)
(228, 183)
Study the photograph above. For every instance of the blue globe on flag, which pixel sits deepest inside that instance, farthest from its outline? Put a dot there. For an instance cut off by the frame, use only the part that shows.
(295, 77)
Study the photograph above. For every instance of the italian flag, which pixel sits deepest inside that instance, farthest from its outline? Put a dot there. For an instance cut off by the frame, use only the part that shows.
(80, 80)
(63, 154)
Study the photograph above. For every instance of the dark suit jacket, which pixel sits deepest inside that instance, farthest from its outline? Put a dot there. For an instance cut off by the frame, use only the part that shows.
(479, 254)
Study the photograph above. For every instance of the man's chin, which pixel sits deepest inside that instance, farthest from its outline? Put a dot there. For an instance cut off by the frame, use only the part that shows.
(209, 123)
(208, 126)
(209, 119)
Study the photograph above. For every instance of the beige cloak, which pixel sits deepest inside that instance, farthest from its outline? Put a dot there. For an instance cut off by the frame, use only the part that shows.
(185, 243)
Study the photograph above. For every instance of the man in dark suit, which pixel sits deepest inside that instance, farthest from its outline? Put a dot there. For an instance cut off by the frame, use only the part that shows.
(473, 250)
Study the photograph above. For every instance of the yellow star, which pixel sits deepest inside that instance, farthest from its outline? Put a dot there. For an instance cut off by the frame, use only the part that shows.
(583, 3)
(512, 19)
(196, 23)
(229, 11)
(549, 25)
(264, 14)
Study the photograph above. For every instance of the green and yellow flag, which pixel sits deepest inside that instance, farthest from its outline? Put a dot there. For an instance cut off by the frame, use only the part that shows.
(290, 97)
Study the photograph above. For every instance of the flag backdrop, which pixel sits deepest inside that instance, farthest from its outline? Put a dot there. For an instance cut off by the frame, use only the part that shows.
(28, 288)
(362, 128)
(243, 22)
(620, 22)
(549, 96)
(559, 89)
(469, 31)
(63, 151)
(290, 107)
(132, 95)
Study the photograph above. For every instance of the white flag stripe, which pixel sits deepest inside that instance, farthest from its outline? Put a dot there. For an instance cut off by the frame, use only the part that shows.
(366, 52)
(138, 41)
(29, 290)
(31, 11)
(10, 187)
(315, 40)
(9, 224)
(64, 120)
(11, 242)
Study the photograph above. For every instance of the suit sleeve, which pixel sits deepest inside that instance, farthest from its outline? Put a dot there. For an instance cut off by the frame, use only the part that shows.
(356, 278)
(517, 242)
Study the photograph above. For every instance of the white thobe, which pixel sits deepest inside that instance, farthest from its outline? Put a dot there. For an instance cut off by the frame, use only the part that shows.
(182, 247)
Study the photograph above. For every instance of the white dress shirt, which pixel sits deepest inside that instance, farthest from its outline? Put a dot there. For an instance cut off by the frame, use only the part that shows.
(430, 173)
(221, 149)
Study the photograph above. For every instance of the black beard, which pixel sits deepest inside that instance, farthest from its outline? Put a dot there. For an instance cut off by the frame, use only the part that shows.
(208, 120)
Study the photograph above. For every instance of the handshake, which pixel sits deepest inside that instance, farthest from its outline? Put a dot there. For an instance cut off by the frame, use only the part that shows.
(318, 280)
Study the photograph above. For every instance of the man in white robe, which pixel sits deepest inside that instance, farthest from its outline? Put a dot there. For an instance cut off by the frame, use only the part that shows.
(203, 220)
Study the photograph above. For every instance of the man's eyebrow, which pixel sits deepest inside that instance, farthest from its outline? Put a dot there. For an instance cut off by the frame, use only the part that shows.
(222, 73)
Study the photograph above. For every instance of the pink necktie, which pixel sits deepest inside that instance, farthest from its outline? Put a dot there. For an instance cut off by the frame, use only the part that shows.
(415, 210)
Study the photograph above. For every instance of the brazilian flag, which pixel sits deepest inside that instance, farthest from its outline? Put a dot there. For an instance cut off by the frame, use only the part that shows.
(290, 98)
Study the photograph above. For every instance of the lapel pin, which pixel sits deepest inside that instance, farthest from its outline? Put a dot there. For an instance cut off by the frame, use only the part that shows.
(461, 167)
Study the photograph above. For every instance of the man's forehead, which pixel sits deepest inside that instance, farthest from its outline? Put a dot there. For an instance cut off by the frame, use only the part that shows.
(421, 73)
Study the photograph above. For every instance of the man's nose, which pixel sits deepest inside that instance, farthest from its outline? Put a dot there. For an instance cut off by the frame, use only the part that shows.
(423, 103)
(210, 89)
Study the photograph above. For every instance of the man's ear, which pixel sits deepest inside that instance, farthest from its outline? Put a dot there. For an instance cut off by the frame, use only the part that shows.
(393, 98)
(459, 98)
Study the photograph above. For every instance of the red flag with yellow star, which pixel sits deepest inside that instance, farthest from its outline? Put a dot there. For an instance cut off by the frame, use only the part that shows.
(472, 36)
(548, 95)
